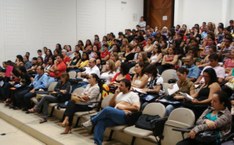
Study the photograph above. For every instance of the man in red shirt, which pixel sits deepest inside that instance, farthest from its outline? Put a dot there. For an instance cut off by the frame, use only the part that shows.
(105, 54)
(58, 68)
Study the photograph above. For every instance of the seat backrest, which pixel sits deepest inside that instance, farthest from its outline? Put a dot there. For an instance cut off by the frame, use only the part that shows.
(183, 115)
(72, 74)
(180, 117)
(169, 74)
(52, 86)
(155, 109)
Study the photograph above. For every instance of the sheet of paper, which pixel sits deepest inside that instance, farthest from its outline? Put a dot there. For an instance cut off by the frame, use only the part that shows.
(187, 96)
(174, 89)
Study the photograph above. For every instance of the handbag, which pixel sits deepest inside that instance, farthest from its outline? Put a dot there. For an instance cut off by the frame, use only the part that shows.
(132, 118)
(210, 136)
(151, 122)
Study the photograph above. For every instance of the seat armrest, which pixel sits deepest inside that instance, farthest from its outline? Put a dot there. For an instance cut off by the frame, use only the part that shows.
(183, 130)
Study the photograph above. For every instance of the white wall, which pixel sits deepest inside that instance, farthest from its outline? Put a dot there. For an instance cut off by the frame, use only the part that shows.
(197, 11)
(105, 16)
(28, 25)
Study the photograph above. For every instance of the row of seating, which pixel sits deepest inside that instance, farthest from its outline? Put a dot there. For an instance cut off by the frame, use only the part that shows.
(180, 117)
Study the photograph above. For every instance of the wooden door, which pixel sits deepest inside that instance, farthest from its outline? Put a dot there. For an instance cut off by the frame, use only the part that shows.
(159, 13)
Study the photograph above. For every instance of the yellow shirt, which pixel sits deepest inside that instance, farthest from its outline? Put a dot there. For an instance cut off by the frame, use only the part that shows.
(84, 63)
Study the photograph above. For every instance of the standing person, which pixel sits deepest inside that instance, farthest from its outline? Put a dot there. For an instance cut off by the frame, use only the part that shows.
(142, 23)
(123, 102)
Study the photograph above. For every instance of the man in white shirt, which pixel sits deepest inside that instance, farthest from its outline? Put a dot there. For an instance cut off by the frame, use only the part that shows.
(92, 68)
(122, 103)
(82, 76)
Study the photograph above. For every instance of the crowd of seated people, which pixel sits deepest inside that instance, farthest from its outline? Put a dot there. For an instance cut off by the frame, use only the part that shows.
(203, 58)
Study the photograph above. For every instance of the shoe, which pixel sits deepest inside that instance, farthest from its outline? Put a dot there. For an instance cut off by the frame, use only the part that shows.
(43, 120)
(87, 124)
(67, 130)
(32, 110)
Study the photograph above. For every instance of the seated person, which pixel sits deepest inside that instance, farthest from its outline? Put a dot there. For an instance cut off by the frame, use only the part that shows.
(202, 98)
(217, 118)
(152, 90)
(122, 103)
(154, 84)
(81, 102)
(149, 45)
(60, 94)
(140, 79)
(194, 71)
(123, 74)
(23, 97)
(6, 71)
(84, 62)
(205, 62)
(105, 54)
(169, 60)
(92, 68)
(82, 76)
(66, 58)
(73, 65)
(156, 56)
(229, 62)
(15, 86)
(109, 71)
(32, 69)
(185, 86)
(58, 68)
(219, 70)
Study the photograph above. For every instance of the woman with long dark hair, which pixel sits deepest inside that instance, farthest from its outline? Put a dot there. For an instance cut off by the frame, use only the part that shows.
(140, 79)
(203, 97)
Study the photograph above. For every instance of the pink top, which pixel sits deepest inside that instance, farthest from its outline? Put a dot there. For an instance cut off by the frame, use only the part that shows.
(229, 63)
(9, 69)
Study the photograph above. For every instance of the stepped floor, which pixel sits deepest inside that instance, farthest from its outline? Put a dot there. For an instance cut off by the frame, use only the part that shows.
(24, 129)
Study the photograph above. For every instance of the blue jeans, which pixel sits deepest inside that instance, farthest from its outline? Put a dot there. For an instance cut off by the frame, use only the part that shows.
(108, 117)
(169, 109)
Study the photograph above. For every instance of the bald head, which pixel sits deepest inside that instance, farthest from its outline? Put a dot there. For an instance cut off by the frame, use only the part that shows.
(92, 62)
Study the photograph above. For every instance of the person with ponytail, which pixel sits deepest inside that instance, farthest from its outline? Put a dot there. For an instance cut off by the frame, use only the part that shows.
(81, 102)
